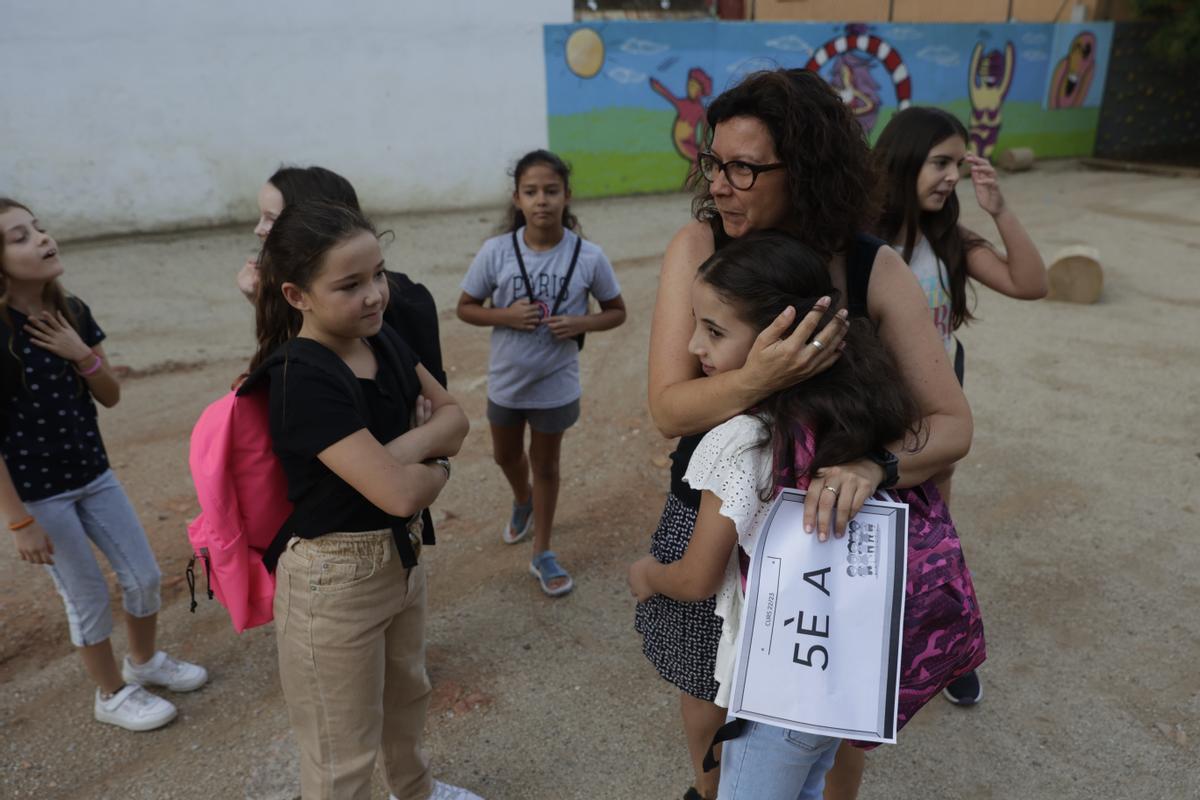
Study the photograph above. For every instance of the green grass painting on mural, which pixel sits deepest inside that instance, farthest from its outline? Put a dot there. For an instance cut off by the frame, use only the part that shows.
(617, 151)
(605, 174)
(615, 129)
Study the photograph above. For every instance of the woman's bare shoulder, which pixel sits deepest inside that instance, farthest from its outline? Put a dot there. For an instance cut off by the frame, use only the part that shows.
(690, 245)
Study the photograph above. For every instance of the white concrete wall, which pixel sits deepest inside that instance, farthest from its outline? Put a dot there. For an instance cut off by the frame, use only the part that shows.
(128, 115)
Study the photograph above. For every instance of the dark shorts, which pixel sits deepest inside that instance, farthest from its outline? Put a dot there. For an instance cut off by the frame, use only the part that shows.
(959, 358)
(542, 420)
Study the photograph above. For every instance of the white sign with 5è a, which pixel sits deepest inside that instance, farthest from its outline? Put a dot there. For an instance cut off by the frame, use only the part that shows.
(819, 649)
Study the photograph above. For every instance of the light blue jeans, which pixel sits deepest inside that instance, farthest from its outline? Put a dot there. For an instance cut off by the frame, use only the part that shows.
(98, 513)
(770, 763)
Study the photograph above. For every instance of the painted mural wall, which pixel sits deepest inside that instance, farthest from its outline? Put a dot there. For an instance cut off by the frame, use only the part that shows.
(625, 100)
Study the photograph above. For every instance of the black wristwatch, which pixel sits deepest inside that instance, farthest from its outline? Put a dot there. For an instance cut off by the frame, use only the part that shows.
(891, 466)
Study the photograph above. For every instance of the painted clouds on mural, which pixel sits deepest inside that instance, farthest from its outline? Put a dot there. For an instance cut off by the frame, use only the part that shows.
(791, 43)
(940, 54)
(643, 47)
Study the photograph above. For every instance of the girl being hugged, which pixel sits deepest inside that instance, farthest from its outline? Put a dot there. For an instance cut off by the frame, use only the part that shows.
(856, 406)
(57, 493)
(364, 433)
(538, 275)
(919, 155)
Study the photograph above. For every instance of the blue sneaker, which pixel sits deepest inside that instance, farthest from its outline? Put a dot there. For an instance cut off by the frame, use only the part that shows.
(520, 525)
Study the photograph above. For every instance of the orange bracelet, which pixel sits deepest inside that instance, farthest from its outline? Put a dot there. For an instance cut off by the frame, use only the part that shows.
(25, 523)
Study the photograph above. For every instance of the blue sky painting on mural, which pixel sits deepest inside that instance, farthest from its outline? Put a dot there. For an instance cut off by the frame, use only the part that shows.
(623, 97)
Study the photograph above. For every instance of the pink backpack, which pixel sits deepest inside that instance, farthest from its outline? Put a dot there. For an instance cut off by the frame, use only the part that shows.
(242, 489)
(243, 501)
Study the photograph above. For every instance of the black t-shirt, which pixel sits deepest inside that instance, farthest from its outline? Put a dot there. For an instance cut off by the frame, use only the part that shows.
(49, 433)
(311, 410)
(412, 313)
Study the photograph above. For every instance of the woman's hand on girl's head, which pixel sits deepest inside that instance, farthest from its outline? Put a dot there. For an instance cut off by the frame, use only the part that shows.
(987, 187)
(836, 494)
(639, 582)
(34, 545)
(52, 332)
(777, 362)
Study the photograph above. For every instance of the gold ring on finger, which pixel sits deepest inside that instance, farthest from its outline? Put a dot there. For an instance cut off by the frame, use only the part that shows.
(831, 489)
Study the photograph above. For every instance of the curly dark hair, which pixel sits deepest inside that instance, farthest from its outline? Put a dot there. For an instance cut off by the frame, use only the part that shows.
(858, 404)
(831, 181)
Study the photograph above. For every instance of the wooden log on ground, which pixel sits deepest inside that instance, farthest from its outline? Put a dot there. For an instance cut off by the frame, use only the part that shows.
(1016, 159)
(1075, 275)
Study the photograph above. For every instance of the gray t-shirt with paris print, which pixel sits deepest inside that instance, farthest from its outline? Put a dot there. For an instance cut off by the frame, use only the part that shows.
(533, 369)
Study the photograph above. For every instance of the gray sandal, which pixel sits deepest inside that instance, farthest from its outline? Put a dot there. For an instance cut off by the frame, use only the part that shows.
(545, 568)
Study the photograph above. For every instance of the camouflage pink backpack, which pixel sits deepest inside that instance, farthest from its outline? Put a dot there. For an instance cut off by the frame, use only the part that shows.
(943, 629)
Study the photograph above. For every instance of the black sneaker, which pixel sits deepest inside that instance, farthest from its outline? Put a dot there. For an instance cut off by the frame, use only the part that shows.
(965, 691)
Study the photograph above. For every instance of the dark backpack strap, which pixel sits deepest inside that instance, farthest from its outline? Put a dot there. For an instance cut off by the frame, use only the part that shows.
(391, 347)
(730, 730)
(860, 259)
(562, 292)
(521, 265)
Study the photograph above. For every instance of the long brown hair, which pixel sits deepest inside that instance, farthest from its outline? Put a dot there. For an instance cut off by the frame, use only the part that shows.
(54, 296)
(294, 252)
(830, 178)
(900, 153)
(857, 405)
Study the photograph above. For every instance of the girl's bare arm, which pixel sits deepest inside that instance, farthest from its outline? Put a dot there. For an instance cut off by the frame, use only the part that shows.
(698, 575)
(400, 490)
(441, 436)
(31, 540)
(1020, 272)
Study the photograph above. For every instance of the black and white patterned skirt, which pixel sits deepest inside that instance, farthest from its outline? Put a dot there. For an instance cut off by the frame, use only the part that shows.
(680, 639)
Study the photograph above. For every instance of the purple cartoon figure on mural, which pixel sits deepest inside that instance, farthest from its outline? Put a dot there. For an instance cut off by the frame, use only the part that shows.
(1073, 75)
(689, 111)
(988, 82)
(851, 77)
(850, 58)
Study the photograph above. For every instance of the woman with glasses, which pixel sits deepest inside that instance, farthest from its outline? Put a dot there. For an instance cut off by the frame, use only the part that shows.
(784, 153)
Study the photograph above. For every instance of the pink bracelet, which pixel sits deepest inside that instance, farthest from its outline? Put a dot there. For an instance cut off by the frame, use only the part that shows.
(93, 369)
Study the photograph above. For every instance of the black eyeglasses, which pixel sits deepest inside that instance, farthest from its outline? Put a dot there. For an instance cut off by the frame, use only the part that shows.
(740, 174)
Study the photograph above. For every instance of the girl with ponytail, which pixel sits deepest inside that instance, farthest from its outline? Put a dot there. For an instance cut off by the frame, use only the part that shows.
(364, 434)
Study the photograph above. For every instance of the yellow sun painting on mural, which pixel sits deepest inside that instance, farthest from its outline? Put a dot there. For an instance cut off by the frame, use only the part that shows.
(585, 52)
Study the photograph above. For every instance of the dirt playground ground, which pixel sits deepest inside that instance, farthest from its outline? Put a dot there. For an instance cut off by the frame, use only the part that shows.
(1078, 506)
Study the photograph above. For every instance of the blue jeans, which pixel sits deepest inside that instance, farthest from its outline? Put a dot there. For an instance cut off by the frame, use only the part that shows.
(770, 763)
(98, 513)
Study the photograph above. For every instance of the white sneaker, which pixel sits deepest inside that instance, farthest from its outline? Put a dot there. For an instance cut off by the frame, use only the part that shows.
(444, 791)
(134, 709)
(162, 670)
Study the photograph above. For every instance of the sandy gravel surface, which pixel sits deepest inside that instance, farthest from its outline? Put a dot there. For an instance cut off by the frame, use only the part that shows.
(1078, 507)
